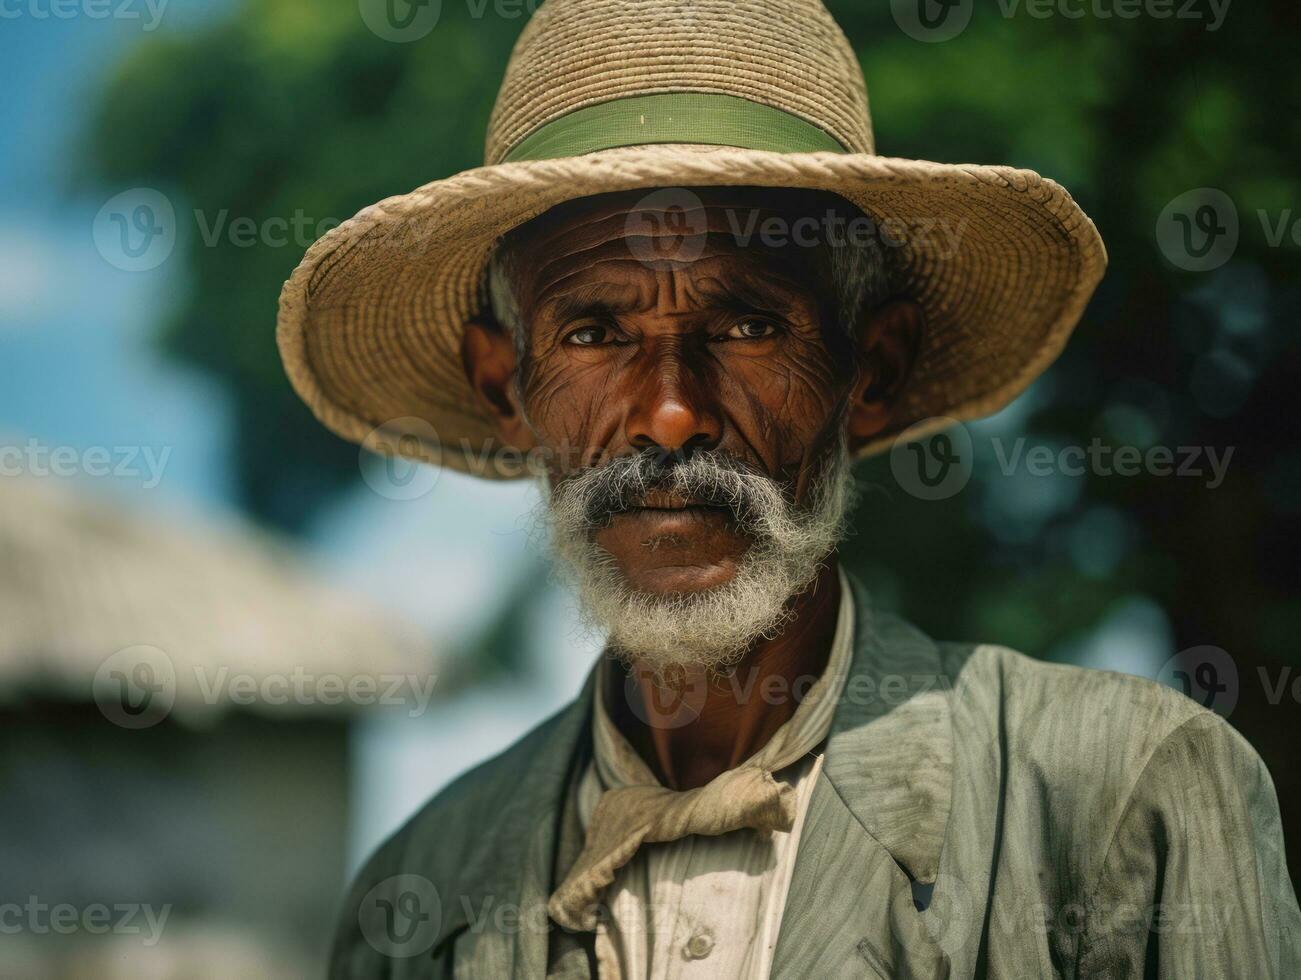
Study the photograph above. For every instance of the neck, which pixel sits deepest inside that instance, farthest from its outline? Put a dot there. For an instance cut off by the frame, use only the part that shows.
(709, 723)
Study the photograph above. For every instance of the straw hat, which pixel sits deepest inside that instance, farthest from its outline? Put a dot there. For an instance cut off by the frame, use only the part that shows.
(612, 95)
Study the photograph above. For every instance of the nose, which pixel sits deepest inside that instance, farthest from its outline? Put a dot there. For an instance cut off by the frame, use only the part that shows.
(672, 407)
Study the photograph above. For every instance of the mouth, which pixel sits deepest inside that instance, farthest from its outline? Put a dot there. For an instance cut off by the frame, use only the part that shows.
(667, 542)
(665, 507)
(671, 540)
(664, 500)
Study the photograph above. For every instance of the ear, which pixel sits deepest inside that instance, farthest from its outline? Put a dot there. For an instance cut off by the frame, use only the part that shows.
(887, 349)
(488, 355)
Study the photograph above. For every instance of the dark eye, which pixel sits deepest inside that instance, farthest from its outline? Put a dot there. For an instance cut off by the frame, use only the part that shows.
(588, 336)
(752, 329)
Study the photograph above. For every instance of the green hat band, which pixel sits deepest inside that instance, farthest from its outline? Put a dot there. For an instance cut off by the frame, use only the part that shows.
(675, 117)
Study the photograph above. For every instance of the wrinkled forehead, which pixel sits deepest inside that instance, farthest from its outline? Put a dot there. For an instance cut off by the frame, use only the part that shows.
(732, 231)
(738, 213)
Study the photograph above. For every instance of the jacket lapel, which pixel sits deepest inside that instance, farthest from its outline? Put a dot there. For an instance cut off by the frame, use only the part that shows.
(510, 934)
(913, 738)
(879, 820)
(965, 887)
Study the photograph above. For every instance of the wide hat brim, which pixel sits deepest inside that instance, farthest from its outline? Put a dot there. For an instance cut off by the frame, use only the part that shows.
(1002, 262)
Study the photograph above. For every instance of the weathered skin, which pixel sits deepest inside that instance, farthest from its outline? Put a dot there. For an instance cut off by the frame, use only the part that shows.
(728, 351)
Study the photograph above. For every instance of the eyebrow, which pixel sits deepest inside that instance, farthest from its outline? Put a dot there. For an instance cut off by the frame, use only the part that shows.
(594, 299)
(741, 294)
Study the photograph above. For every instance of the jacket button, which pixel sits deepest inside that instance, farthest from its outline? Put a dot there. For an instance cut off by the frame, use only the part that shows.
(699, 946)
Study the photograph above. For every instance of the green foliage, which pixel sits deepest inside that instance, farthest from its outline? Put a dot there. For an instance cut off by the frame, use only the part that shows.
(292, 107)
(289, 110)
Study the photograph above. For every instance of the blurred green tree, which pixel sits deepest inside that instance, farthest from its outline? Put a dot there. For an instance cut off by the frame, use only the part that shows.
(295, 111)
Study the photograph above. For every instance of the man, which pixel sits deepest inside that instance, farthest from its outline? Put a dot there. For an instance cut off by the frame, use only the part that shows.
(688, 294)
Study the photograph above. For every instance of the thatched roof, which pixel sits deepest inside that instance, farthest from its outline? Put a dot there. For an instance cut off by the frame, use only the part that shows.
(82, 578)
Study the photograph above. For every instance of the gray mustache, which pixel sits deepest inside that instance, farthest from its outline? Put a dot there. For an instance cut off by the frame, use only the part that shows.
(709, 477)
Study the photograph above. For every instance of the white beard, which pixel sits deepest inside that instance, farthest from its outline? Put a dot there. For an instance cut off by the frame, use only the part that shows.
(713, 628)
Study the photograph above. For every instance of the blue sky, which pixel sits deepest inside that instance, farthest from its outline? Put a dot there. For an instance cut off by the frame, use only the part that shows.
(74, 331)
(80, 370)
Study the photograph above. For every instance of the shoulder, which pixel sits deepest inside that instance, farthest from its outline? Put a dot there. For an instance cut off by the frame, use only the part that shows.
(1096, 749)
(1070, 728)
(459, 843)
(1052, 710)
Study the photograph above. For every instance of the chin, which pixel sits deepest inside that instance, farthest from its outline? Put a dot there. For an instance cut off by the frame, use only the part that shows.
(668, 553)
(671, 580)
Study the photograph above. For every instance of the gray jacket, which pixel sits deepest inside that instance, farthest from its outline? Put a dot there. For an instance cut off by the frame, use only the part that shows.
(1075, 823)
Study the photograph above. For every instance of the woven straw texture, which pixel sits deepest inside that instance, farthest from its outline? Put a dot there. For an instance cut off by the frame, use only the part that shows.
(788, 54)
(1001, 260)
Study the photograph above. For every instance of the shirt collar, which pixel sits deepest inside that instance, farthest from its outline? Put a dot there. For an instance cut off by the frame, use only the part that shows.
(618, 764)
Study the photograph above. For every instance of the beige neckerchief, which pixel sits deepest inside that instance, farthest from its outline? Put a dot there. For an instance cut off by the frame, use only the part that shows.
(635, 808)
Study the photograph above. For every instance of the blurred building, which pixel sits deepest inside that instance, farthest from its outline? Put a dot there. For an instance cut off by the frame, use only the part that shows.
(175, 705)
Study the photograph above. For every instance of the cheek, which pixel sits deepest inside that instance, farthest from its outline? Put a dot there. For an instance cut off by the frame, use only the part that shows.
(780, 402)
(785, 403)
(565, 400)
